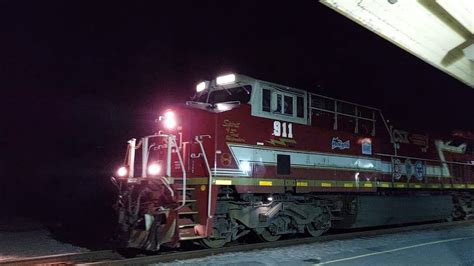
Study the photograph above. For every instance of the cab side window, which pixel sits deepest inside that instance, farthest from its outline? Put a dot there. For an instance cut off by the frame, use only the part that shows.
(288, 105)
(300, 106)
(282, 104)
(266, 100)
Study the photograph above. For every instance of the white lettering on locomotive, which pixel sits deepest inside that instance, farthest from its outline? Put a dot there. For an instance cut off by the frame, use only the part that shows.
(284, 129)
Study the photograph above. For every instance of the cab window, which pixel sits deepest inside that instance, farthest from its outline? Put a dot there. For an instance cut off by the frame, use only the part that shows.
(266, 99)
(282, 103)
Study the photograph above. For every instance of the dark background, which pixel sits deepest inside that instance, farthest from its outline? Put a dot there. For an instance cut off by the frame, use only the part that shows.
(80, 78)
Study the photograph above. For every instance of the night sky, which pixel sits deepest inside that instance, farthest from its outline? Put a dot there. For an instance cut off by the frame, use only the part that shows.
(80, 78)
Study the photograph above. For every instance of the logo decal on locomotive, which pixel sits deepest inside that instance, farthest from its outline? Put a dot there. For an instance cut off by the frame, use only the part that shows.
(232, 131)
(419, 170)
(226, 159)
(367, 146)
(396, 168)
(402, 136)
(337, 143)
(281, 141)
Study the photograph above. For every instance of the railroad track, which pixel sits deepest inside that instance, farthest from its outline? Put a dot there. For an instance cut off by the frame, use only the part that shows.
(108, 257)
(70, 258)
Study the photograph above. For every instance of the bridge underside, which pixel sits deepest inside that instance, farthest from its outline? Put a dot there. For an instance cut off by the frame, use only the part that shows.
(440, 32)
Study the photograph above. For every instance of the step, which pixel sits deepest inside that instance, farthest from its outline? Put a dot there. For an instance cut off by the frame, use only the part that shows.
(191, 237)
(188, 234)
(187, 200)
(187, 225)
(180, 196)
(187, 212)
(188, 231)
(181, 188)
(185, 209)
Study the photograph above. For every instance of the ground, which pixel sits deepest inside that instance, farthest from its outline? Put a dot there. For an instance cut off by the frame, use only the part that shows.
(22, 237)
(446, 246)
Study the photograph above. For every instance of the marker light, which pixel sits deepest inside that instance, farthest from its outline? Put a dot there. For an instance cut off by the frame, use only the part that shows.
(169, 120)
(201, 86)
(222, 80)
(122, 171)
(154, 169)
(270, 198)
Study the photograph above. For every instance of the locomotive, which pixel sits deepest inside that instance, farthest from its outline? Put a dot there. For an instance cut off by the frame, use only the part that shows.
(251, 157)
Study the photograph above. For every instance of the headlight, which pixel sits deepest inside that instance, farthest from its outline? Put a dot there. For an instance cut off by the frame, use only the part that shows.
(222, 80)
(169, 120)
(201, 86)
(122, 171)
(223, 107)
(154, 169)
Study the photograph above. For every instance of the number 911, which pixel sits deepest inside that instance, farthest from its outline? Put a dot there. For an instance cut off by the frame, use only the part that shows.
(284, 129)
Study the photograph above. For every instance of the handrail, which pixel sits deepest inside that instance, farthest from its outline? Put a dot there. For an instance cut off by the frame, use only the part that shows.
(172, 139)
(171, 143)
(336, 112)
(344, 114)
(342, 101)
(197, 138)
(131, 157)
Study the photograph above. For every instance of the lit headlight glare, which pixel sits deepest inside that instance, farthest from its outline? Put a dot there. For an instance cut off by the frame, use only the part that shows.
(122, 171)
(201, 86)
(222, 80)
(154, 169)
(169, 120)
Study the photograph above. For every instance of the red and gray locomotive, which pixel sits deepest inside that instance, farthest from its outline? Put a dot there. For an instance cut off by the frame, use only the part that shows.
(247, 156)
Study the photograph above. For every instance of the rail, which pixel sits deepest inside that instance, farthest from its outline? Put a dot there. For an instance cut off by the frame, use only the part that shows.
(193, 254)
(109, 257)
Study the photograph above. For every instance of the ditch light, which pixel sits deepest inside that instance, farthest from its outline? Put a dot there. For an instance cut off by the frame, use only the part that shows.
(440, 32)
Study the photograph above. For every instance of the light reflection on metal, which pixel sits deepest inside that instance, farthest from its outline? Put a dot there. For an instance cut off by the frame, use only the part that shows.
(245, 166)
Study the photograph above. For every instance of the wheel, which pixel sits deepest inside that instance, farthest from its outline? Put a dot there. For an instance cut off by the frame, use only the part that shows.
(312, 229)
(459, 215)
(318, 226)
(267, 236)
(212, 243)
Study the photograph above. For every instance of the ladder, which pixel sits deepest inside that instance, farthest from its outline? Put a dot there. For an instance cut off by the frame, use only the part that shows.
(189, 224)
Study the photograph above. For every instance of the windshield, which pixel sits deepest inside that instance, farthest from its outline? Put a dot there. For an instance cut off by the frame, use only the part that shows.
(241, 94)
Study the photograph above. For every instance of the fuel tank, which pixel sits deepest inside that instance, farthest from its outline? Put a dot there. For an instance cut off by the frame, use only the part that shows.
(368, 211)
